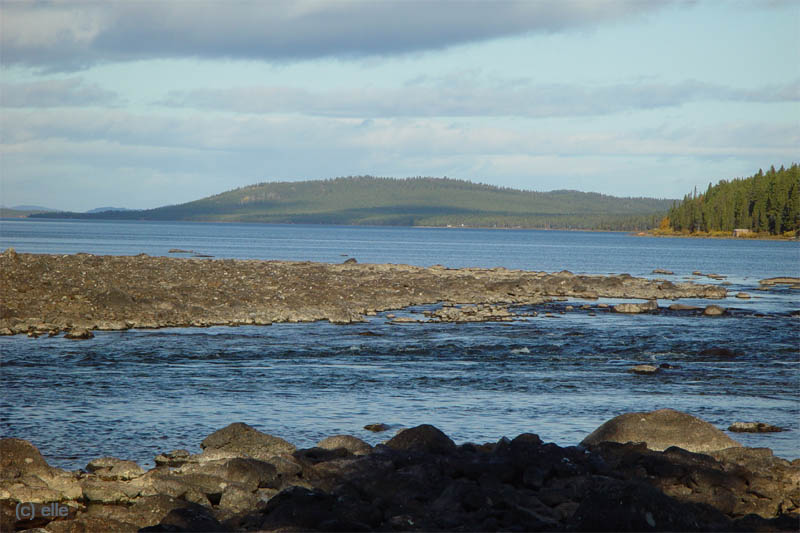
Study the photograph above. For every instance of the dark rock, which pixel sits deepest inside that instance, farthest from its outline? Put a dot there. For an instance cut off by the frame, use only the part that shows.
(191, 518)
(376, 428)
(422, 438)
(719, 352)
(660, 430)
(239, 439)
(614, 505)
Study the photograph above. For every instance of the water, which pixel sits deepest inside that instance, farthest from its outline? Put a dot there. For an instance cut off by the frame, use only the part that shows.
(134, 394)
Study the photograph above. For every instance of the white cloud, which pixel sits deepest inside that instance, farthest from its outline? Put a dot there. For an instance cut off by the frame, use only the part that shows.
(55, 93)
(450, 99)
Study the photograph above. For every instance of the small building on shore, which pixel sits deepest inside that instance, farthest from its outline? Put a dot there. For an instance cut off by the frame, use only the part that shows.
(741, 232)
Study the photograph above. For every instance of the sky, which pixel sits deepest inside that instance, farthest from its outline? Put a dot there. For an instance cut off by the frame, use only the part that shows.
(140, 104)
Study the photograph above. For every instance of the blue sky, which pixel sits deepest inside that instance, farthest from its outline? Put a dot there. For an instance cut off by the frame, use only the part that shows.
(141, 104)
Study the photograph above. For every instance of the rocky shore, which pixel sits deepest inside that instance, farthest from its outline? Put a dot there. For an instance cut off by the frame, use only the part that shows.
(49, 294)
(658, 471)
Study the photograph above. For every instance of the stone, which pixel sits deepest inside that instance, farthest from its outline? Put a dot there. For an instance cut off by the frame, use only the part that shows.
(239, 439)
(99, 491)
(743, 295)
(376, 428)
(350, 261)
(644, 369)
(780, 281)
(191, 517)
(714, 310)
(237, 499)
(78, 334)
(422, 438)
(245, 471)
(353, 445)
(683, 307)
(111, 468)
(663, 271)
(754, 427)
(614, 505)
(173, 458)
(651, 305)
(660, 430)
(19, 457)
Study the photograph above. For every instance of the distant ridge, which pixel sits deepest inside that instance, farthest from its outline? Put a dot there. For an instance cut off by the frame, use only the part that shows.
(104, 209)
(367, 200)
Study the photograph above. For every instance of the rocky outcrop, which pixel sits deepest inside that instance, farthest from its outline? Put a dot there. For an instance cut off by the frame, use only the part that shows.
(47, 294)
(660, 430)
(419, 480)
(238, 439)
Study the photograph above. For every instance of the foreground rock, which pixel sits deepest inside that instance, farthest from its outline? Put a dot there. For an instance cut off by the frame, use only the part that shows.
(662, 429)
(420, 480)
(44, 294)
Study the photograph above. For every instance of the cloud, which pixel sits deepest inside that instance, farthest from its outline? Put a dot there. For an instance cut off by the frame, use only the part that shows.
(65, 36)
(472, 100)
(55, 93)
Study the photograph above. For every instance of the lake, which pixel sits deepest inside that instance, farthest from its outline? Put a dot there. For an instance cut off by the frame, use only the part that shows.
(136, 393)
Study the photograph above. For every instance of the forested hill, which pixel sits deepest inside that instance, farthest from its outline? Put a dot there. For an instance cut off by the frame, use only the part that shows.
(408, 202)
(767, 202)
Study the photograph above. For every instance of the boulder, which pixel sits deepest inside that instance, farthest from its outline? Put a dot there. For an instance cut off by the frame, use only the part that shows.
(743, 295)
(425, 438)
(714, 310)
(245, 471)
(19, 457)
(239, 440)
(754, 427)
(683, 307)
(111, 468)
(660, 430)
(353, 445)
(663, 271)
(650, 305)
(78, 333)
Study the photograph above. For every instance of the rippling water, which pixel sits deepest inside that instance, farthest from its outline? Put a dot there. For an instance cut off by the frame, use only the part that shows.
(137, 393)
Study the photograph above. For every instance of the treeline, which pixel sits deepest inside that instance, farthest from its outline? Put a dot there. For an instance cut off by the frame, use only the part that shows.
(767, 202)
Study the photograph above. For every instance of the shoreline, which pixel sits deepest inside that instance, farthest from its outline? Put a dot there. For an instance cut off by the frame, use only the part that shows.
(662, 470)
(755, 237)
(49, 294)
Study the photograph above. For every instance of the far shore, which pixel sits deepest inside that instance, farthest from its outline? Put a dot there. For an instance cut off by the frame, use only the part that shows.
(718, 235)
